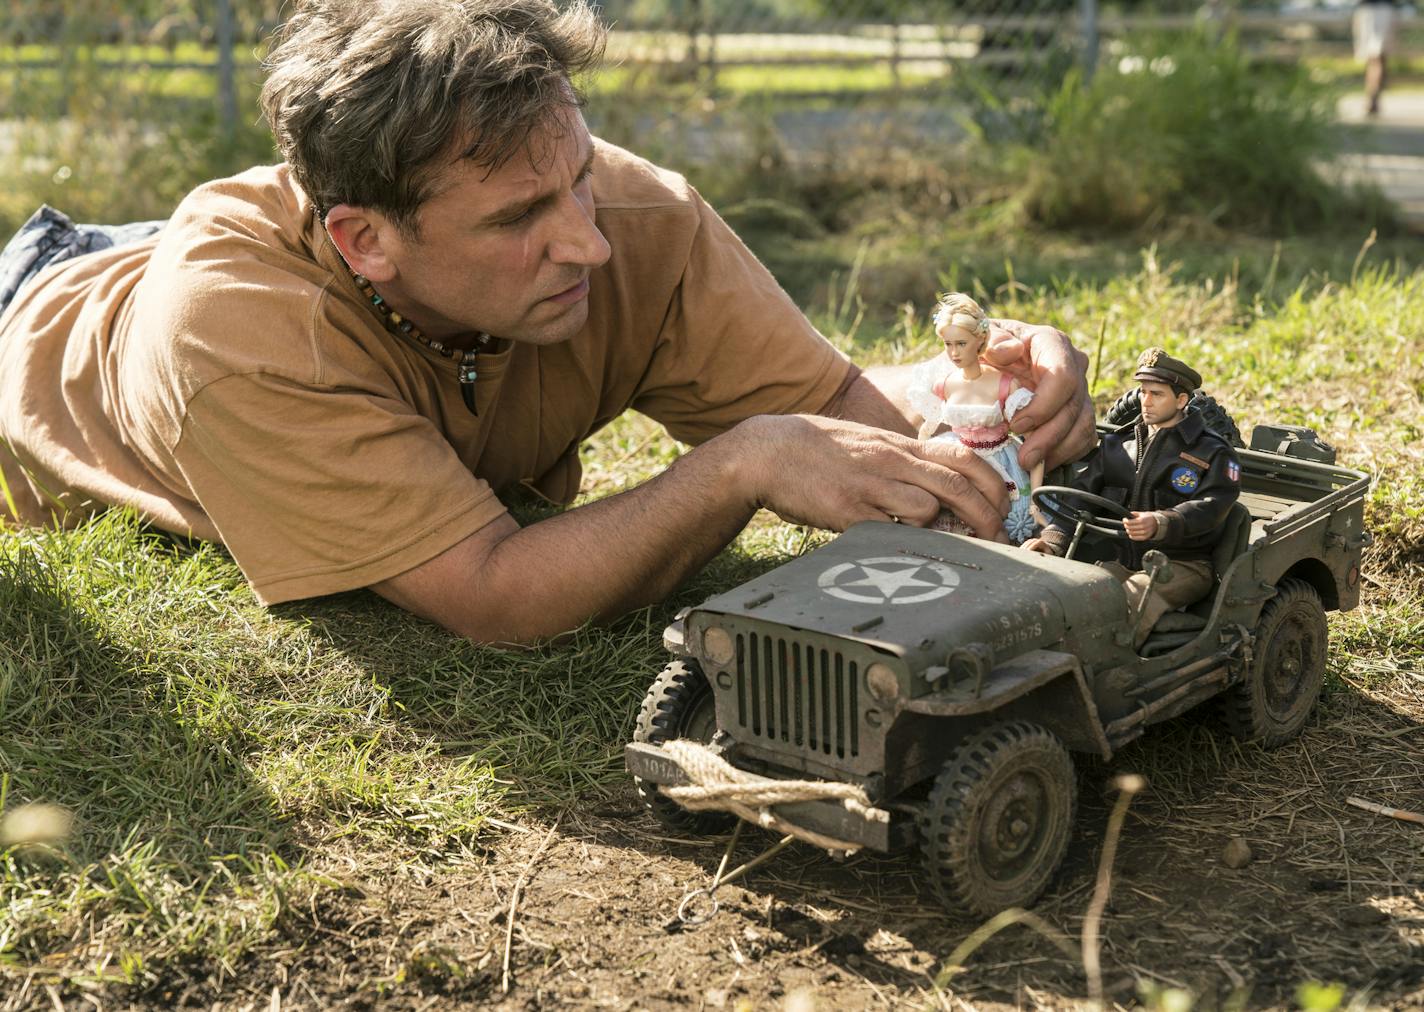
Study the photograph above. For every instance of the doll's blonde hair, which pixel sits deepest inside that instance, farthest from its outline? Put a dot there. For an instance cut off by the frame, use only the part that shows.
(958, 310)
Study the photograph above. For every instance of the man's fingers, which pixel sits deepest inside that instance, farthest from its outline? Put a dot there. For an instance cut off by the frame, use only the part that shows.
(1058, 373)
(850, 473)
(1065, 437)
(967, 485)
(1008, 352)
(910, 503)
(1060, 383)
(1080, 439)
(956, 475)
(1028, 351)
(986, 521)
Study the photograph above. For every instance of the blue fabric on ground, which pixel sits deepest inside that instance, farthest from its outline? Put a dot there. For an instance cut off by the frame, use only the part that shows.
(50, 237)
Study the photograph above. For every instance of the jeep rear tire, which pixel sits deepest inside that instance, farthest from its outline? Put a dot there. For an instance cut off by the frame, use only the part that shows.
(679, 704)
(1282, 682)
(999, 817)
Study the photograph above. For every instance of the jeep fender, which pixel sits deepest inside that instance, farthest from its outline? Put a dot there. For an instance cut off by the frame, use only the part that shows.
(1047, 687)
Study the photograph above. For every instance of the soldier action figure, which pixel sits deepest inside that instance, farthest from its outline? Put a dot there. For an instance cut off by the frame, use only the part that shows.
(1177, 479)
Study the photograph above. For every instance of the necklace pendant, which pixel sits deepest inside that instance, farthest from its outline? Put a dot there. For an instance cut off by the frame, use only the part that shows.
(467, 374)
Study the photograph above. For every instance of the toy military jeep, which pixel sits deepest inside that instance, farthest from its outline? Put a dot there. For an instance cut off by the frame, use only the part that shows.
(951, 678)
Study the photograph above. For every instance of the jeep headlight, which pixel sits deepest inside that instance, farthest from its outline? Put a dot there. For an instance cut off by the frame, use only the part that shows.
(882, 682)
(718, 645)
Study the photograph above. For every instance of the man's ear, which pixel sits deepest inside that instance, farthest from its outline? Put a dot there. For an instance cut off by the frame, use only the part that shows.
(1182, 401)
(364, 238)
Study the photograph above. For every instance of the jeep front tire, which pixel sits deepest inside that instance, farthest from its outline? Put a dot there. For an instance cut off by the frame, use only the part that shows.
(999, 817)
(679, 704)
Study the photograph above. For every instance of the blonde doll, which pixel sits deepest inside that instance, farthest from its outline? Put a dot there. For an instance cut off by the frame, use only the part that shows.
(964, 400)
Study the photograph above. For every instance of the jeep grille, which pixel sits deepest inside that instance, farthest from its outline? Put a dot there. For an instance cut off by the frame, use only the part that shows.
(798, 694)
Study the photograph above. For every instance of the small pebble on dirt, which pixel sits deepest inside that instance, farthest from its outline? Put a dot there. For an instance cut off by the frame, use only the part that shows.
(1236, 853)
(1359, 917)
(801, 1000)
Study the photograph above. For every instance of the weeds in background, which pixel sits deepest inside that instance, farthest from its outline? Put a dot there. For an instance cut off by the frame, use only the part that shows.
(1185, 133)
(1186, 127)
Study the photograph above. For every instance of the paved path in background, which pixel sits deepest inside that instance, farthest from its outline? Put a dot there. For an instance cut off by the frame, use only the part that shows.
(1388, 149)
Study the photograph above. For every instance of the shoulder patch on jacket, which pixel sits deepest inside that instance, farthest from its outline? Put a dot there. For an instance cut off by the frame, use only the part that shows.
(1193, 460)
(1185, 480)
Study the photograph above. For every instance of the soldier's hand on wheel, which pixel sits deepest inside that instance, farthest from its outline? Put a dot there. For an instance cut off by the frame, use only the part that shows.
(1140, 526)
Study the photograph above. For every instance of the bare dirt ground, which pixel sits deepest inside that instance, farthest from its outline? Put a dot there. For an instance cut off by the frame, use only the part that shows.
(1332, 893)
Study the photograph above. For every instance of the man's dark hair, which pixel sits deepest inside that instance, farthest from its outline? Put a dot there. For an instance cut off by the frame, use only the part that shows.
(369, 99)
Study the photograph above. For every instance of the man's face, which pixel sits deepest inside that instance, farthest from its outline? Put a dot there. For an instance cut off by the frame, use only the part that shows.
(1160, 404)
(507, 252)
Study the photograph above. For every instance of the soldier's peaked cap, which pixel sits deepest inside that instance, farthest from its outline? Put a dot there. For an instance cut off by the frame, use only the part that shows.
(1156, 365)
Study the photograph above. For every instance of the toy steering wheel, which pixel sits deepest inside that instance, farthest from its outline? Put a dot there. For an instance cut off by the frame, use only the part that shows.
(1086, 519)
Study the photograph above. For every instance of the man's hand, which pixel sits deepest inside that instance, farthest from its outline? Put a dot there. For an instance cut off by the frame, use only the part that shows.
(1061, 413)
(1040, 546)
(831, 474)
(1140, 526)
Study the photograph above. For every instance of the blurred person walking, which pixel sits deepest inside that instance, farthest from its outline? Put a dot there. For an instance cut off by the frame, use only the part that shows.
(1373, 29)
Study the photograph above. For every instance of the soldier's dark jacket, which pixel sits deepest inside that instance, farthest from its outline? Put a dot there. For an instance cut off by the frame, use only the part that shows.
(1187, 473)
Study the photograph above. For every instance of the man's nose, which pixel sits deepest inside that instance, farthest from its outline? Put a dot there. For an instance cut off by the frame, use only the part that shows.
(578, 240)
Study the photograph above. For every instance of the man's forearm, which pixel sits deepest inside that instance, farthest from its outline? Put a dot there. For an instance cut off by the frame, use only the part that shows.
(614, 555)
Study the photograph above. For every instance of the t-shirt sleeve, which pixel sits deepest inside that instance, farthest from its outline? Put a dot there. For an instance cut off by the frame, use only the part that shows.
(733, 344)
(319, 490)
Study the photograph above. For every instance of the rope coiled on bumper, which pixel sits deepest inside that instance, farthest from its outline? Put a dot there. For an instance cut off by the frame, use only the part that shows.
(718, 785)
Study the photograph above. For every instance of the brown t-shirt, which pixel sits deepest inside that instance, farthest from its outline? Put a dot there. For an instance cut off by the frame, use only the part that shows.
(227, 379)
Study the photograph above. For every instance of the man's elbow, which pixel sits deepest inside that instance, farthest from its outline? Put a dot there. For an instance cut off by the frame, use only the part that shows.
(512, 631)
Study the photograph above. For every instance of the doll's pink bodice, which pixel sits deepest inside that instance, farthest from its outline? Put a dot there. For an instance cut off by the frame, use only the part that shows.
(978, 426)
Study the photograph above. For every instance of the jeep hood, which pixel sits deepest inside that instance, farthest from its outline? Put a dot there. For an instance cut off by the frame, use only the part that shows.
(918, 594)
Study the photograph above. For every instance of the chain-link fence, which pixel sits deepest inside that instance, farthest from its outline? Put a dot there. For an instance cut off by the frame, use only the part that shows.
(849, 49)
(782, 79)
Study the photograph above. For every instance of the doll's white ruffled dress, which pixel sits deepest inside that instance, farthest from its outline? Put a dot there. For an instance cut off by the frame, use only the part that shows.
(984, 428)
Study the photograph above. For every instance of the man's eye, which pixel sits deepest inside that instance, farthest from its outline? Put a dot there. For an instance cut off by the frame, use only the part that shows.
(518, 219)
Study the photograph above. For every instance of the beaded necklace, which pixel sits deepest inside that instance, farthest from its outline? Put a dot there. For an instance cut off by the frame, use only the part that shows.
(397, 324)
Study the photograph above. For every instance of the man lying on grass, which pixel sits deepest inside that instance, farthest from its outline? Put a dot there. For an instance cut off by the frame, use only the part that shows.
(333, 364)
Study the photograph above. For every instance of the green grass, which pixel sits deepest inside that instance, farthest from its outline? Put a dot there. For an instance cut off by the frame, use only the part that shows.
(221, 757)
